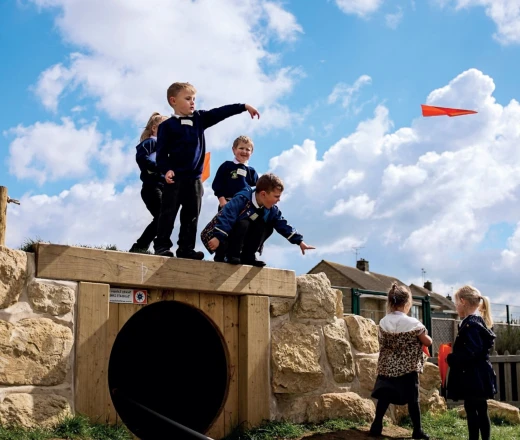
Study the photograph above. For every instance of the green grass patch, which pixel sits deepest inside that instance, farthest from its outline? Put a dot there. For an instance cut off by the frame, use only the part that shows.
(71, 428)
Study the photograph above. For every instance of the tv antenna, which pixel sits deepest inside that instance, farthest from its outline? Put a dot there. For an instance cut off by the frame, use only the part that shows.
(356, 250)
(423, 273)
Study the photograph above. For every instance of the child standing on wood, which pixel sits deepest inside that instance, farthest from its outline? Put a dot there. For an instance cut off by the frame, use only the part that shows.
(181, 148)
(153, 180)
(471, 377)
(401, 358)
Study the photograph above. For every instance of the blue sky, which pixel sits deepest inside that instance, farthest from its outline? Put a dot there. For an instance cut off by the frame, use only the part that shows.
(339, 85)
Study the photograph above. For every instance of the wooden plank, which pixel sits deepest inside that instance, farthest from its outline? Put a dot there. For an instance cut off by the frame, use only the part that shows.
(213, 306)
(151, 271)
(91, 336)
(231, 337)
(3, 214)
(518, 381)
(253, 352)
(507, 381)
(112, 331)
(126, 311)
(191, 298)
(496, 369)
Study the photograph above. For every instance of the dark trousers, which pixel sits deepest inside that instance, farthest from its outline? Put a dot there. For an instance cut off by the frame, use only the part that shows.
(151, 196)
(245, 239)
(478, 418)
(413, 409)
(185, 193)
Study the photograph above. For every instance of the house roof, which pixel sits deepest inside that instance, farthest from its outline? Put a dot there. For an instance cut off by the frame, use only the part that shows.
(437, 297)
(382, 283)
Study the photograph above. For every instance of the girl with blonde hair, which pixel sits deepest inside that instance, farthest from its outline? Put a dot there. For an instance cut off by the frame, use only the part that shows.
(153, 180)
(471, 377)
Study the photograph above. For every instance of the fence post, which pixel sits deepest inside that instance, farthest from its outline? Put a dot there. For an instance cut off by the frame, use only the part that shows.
(427, 314)
(356, 307)
(508, 320)
(3, 214)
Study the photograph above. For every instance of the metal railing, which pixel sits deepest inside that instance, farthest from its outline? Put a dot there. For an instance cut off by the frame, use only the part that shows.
(425, 303)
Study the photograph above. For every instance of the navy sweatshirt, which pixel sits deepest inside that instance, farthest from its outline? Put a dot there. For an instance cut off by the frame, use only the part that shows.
(145, 158)
(232, 178)
(181, 144)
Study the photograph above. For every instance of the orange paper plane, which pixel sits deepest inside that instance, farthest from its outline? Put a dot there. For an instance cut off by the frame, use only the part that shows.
(205, 169)
(430, 110)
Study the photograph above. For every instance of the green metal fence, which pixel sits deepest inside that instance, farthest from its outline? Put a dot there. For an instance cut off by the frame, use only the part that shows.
(425, 302)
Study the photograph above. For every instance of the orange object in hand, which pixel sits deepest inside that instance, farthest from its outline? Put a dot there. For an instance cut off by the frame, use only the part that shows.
(205, 169)
(444, 351)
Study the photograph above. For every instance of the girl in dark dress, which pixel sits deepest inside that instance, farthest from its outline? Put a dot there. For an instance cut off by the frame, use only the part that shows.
(401, 358)
(471, 377)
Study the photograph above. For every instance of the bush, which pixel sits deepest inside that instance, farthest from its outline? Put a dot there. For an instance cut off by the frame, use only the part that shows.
(508, 338)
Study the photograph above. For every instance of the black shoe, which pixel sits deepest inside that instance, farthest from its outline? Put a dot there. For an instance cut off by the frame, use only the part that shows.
(420, 435)
(219, 259)
(164, 253)
(376, 430)
(253, 262)
(233, 260)
(191, 254)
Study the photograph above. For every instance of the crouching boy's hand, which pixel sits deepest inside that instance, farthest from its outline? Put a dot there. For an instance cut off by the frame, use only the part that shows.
(304, 247)
(213, 243)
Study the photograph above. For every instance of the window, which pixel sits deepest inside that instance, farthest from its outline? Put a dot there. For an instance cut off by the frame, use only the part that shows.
(415, 312)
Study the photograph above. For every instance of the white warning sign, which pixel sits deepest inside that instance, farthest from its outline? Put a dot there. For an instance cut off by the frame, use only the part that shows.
(129, 296)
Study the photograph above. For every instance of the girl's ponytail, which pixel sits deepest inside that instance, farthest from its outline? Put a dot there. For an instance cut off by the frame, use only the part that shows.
(155, 119)
(485, 310)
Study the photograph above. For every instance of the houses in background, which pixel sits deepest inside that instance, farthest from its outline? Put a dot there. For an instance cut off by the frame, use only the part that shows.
(373, 306)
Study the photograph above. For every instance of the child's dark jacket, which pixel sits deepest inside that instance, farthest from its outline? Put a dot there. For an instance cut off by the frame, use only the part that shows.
(243, 206)
(471, 374)
(233, 177)
(145, 158)
(181, 145)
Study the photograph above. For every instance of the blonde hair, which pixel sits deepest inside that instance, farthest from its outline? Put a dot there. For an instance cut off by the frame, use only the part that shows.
(176, 87)
(398, 296)
(155, 119)
(268, 183)
(473, 297)
(244, 140)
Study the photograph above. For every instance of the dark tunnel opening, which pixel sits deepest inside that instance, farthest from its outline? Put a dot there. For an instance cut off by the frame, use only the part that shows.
(170, 358)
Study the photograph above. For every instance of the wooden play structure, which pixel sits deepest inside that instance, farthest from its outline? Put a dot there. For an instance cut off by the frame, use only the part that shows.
(234, 298)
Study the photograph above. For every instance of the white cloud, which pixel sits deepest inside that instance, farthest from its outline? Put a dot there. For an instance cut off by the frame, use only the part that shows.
(361, 8)
(339, 245)
(360, 207)
(505, 14)
(347, 93)
(394, 20)
(510, 257)
(282, 22)
(47, 151)
(128, 78)
(353, 177)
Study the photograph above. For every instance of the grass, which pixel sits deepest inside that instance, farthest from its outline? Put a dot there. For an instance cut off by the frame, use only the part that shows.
(286, 430)
(71, 428)
(29, 245)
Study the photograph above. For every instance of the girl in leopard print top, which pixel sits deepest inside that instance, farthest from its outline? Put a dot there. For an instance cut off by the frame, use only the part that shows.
(401, 358)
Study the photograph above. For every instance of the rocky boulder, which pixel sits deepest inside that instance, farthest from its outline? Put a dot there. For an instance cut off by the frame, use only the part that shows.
(51, 297)
(338, 351)
(363, 333)
(348, 406)
(13, 273)
(315, 298)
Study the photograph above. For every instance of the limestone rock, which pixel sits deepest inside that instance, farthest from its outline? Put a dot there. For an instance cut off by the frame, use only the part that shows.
(316, 299)
(339, 303)
(430, 379)
(349, 406)
(295, 357)
(500, 410)
(13, 272)
(367, 372)
(339, 352)
(280, 306)
(34, 352)
(33, 410)
(363, 333)
(429, 402)
(292, 408)
(51, 297)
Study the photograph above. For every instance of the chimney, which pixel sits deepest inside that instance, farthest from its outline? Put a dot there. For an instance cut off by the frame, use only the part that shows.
(362, 264)
(428, 286)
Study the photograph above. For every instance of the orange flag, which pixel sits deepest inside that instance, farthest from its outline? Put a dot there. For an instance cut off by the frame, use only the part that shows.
(430, 110)
(444, 351)
(205, 169)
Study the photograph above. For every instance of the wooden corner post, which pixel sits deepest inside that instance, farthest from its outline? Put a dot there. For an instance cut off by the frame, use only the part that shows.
(3, 214)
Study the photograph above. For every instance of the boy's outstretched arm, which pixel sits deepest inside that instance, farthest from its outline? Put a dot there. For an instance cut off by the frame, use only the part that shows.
(216, 115)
